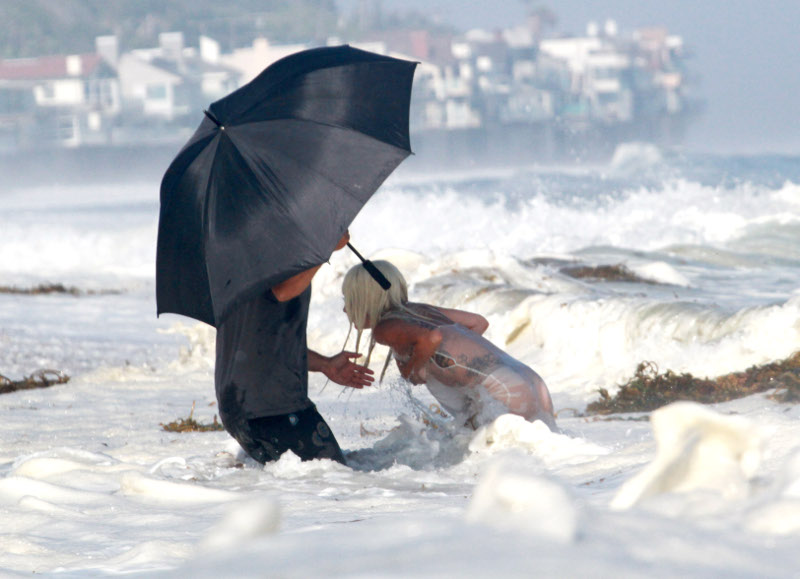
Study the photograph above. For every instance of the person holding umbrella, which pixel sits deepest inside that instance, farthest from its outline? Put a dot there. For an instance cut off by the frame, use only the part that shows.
(257, 199)
(261, 379)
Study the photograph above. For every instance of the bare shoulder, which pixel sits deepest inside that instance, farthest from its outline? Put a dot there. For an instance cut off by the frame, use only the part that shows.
(398, 332)
(389, 330)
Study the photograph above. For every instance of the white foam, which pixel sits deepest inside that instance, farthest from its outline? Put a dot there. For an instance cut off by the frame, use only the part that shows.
(90, 483)
(574, 342)
(14, 488)
(509, 496)
(661, 272)
(514, 432)
(789, 193)
(90, 243)
(779, 517)
(634, 157)
(145, 558)
(697, 449)
(243, 521)
(778, 510)
(158, 490)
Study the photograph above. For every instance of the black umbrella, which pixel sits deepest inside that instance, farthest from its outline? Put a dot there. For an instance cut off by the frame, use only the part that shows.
(275, 174)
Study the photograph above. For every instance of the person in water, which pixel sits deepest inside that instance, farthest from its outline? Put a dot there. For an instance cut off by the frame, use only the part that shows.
(261, 375)
(473, 380)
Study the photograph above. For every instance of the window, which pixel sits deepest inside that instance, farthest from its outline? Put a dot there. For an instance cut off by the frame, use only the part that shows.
(156, 92)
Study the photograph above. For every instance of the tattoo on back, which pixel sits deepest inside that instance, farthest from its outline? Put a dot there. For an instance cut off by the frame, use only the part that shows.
(479, 364)
(475, 364)
(443, 359)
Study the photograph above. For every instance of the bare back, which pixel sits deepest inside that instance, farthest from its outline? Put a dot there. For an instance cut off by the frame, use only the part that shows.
(462, 359)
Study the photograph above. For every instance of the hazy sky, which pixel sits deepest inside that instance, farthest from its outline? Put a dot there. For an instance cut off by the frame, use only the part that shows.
(746, 52)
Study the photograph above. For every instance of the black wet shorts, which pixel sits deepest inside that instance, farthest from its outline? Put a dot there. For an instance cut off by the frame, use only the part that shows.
(305, 433)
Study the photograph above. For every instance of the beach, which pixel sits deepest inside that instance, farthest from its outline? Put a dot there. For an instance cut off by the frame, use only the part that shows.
(91, 483)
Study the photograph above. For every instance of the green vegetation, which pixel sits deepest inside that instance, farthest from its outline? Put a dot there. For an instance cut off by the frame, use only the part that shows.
(649, 389)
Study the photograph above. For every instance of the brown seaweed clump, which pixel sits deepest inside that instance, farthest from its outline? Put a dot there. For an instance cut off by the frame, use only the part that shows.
(618, 272)
(189, 424)
(649, 389)
(53, 288)
(788, 388)
(39, 379)
(42, 289)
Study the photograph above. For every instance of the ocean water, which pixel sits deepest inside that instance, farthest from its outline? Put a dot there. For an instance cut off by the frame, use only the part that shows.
(91, 484)
(714, 240)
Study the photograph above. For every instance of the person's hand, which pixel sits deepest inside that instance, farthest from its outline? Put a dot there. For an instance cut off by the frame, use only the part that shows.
(343, 241)
(341, 370)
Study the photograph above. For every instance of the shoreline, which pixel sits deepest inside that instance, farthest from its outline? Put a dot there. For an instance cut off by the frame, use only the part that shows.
(493, 148)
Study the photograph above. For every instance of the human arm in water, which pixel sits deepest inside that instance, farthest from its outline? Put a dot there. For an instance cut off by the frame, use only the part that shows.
(414, 344)
(297, 284)
(340, 369)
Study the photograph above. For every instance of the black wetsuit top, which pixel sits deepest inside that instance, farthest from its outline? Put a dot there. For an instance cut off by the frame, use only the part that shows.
(262, 360)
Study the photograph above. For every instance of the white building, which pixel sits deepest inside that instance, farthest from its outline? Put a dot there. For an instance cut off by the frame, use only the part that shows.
(171, 81)
(251, 61)
(65, 100)
(596, 72)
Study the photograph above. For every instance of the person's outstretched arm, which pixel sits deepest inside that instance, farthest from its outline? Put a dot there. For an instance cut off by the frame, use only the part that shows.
(340, 369)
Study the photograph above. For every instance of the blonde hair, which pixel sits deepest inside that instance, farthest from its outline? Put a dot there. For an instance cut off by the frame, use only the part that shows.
(365, 301)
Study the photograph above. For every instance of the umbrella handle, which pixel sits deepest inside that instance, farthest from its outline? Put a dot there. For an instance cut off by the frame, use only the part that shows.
(372, 270)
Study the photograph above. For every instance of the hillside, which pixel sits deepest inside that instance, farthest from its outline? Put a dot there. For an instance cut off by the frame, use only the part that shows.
(40, 27)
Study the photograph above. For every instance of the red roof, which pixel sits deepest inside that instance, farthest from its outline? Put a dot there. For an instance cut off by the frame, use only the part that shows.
(45, 67)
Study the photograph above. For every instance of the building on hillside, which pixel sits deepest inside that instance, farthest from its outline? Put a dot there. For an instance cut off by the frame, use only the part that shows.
(251, 61)
(479, 95)
(593, 71)
(165, 89)
(105, 98)
(57, 100)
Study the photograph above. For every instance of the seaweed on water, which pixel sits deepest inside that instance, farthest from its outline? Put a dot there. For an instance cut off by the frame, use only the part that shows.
(649, 389)
(189, 424)
(39, 379)
(517, 331)
(618, 272)
(52, 288)
(41, 289)
(788, 388)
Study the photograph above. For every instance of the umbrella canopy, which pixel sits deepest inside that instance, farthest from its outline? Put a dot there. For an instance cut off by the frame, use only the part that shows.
(275, 174)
